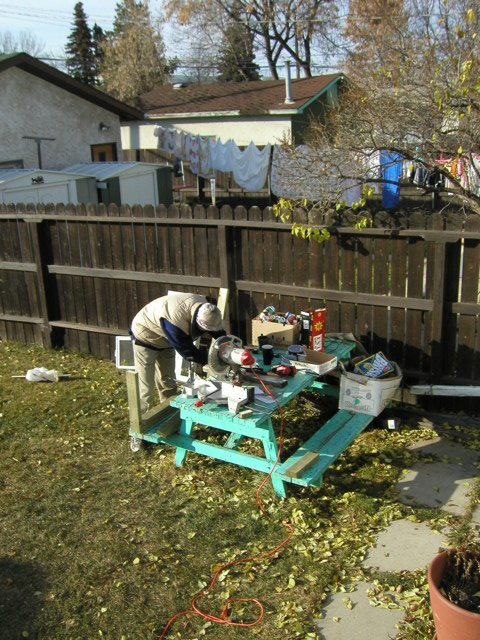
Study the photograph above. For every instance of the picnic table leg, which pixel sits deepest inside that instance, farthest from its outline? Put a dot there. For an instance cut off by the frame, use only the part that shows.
(186, 428)
(271, 453)
(233, 441)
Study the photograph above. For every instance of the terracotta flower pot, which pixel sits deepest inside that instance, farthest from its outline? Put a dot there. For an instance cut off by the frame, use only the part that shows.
(451, 622)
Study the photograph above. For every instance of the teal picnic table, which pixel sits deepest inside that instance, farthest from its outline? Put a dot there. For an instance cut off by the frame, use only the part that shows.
(305, 466)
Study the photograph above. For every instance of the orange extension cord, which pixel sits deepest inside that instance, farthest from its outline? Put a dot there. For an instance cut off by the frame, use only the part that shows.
(222, 618)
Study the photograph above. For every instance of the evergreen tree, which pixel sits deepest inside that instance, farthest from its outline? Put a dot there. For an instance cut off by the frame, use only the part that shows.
(81, 63)
(98, 40)
(237, 57)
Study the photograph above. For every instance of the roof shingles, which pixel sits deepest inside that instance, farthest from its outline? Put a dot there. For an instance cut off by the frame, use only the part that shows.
(248, 98)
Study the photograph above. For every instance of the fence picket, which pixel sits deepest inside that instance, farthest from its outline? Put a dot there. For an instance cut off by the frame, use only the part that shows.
(381, 282)
(414, 356)
(364, 285)
(468, 365)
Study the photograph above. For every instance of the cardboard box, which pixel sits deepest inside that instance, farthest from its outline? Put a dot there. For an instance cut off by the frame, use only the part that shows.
(316, 361)
(360, 394)
(279, 334)
(313, 328)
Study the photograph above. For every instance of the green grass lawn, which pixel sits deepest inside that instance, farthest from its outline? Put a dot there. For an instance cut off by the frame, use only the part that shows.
(99, 542)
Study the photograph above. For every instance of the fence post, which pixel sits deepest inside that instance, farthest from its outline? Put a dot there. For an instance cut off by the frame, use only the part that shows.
(34, 226)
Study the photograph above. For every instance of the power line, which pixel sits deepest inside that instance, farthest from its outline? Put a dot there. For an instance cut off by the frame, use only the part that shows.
(45, 16)
(52, 13)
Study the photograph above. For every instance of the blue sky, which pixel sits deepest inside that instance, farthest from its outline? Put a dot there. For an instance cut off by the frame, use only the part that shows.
(51, 22)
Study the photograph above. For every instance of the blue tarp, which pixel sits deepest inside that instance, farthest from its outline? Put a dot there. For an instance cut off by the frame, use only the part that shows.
(391, 166)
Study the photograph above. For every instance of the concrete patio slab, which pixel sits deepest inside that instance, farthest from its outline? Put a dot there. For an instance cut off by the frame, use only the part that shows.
(361, 622)
(443, 481)
(404, 545)
(446, 482)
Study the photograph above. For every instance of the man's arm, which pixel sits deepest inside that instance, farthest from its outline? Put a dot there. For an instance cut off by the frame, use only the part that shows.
(182, 343)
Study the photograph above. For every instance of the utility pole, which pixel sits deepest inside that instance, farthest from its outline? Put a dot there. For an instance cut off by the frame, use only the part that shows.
(38, 140)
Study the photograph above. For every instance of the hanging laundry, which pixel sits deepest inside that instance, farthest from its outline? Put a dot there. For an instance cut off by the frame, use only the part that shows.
(420, 176)
(250, 167)
(295, 175)
(171, 139)
(391, 164)
(186, 144)
(221, 155)
(159, 132)
(204, 163)
(194, 154)
(371, 174)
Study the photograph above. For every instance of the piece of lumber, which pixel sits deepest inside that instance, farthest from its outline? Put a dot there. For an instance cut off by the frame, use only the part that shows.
(133, 396)
(156, 414)
(461, 391)
(171, 425)
(222, 301)
(139, 423)
(306, 461)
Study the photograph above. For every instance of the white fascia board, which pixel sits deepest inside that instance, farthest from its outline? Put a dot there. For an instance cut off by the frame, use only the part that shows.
(194, 114)
(283, 112)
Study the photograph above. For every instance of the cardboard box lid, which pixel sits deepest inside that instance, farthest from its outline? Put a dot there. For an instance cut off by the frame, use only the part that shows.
(317, 361)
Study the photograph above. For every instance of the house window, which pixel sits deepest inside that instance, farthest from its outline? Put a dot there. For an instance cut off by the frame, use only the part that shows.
(104, 152)
(11, 164)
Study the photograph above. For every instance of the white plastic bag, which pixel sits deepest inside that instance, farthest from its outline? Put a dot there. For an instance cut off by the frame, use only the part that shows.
(41, 374)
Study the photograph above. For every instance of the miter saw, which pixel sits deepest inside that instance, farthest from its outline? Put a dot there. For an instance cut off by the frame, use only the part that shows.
(226, 356)
(230, 374)
(228, 360)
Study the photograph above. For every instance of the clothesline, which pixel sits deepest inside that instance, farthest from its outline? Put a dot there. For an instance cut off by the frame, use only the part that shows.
(295, 175)
(206, 155)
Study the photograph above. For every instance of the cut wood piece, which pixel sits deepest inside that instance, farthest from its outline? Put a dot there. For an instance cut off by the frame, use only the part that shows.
(305, 462)
(171, 425)
(156, 414)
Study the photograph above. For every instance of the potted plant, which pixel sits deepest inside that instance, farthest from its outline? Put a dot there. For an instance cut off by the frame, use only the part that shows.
(454, 582)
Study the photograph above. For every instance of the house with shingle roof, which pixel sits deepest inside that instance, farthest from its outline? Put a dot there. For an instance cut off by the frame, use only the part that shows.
(262, 112)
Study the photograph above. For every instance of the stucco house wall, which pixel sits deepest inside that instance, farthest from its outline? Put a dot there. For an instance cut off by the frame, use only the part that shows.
(261, 130)
(30, 106)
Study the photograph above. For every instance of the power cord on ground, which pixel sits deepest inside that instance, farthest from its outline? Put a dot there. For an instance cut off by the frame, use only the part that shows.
(222, 618)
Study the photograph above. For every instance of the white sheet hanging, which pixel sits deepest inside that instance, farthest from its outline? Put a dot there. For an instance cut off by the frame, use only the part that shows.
(296, 176)
(250, 167)
(221, 155)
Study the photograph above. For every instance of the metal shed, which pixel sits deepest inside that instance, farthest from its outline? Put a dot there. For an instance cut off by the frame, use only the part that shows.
(129, 182)
(39, 186)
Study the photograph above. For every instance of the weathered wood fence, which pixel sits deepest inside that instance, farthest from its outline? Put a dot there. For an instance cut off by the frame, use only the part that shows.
(76, 276)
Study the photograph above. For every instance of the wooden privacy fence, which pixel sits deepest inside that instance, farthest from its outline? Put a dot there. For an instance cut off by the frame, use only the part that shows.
(76, 276)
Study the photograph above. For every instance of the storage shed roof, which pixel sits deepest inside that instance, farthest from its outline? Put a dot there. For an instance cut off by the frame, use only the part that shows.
(11, 175)
(105, 170)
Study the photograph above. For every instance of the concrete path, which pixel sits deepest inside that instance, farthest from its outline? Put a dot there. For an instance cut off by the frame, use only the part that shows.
(444, 483)
(443, 480)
